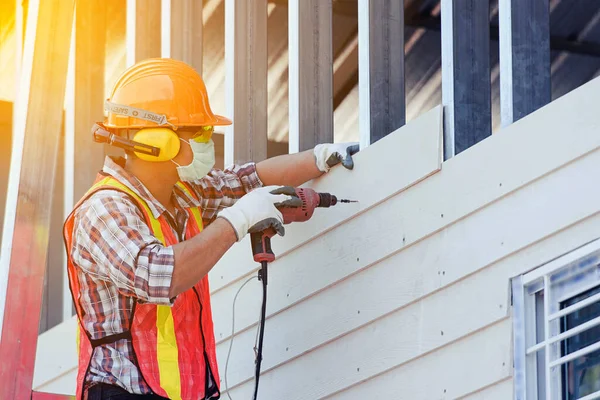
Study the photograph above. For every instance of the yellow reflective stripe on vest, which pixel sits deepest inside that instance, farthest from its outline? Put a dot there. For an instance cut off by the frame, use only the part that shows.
(195, 210)
(167, 353)
(166, 342)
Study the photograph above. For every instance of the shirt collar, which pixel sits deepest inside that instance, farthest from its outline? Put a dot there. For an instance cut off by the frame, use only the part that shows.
(115, 169)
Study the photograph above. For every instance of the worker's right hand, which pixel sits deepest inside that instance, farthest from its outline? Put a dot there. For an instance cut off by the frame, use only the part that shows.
(257, 210)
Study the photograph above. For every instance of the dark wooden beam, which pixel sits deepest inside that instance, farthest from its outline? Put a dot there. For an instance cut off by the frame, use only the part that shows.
(246, 80)
(381, 68)
(466, 86)
(310, 74)
(557, 43)
(182, 23)
(143, 30)
(340, 7)
(524, 58)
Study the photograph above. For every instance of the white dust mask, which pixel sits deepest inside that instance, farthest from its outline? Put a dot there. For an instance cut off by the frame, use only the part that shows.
(202, 163)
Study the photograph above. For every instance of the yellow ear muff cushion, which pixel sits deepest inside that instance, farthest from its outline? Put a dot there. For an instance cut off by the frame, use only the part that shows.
(163, 138)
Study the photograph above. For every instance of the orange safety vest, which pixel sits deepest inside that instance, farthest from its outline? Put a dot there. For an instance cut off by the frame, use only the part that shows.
(173, 345)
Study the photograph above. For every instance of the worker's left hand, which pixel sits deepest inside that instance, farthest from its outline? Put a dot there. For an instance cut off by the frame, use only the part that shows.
(330, 154)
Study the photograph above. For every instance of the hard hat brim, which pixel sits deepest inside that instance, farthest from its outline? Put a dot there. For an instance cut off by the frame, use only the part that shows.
(222, 121)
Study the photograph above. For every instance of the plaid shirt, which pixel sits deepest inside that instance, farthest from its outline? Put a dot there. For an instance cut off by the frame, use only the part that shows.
(118, 259)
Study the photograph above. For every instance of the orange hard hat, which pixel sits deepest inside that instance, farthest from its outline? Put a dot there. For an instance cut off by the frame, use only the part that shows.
(160, 92)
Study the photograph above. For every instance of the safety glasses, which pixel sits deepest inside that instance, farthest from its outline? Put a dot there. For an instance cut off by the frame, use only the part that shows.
(204, 134)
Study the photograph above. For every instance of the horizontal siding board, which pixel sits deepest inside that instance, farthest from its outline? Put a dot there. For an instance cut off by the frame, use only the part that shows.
(421, 327)
(482, 174)
(503, 390)
(435, 376)
(427, 377)
(520, 219)
(412, 153)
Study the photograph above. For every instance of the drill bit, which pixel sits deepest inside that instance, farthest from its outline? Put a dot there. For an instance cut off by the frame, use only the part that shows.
(348, 201)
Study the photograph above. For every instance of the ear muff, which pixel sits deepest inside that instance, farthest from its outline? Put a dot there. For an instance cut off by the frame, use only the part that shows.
(163, 138)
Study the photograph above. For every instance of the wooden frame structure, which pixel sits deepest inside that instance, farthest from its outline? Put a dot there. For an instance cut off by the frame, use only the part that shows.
(170, 28)
(311, 73)
(246, 80)
(466, 86)
(524, 58)
(381, 68)
(182, 31)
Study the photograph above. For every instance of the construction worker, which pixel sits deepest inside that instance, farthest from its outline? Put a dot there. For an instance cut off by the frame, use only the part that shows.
(141, 242)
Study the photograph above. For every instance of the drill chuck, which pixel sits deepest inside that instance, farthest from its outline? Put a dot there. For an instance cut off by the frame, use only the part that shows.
(327, 200)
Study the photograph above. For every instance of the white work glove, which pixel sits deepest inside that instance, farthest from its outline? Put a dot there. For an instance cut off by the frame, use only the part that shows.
(257, 210)
(330, 154)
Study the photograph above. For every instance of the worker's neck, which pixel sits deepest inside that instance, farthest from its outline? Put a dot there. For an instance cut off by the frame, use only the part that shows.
(154, 178)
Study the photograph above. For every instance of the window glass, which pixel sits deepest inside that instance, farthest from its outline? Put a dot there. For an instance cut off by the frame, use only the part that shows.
(581, 376)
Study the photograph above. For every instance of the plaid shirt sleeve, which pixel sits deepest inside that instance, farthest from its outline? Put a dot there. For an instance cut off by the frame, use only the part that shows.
(220, 189)
(113, 243)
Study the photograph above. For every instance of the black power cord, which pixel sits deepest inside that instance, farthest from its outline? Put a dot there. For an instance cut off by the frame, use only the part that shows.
(262, 276)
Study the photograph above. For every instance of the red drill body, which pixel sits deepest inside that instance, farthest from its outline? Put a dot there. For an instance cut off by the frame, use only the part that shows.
(261, 243)
(310, 201)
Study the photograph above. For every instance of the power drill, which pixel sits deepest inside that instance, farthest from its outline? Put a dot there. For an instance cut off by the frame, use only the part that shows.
(263, 254)
(261, 241)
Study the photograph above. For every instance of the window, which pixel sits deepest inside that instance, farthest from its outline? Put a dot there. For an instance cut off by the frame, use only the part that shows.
(557, 328)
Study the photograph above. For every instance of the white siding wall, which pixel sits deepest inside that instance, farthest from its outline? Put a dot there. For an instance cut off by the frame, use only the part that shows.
(406, 295)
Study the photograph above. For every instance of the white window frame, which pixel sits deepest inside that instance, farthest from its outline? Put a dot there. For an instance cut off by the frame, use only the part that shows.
(559, 280)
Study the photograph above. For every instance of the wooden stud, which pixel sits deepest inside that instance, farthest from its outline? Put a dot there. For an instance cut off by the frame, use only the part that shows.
(466, 86)
(84, 106)
(57, 303)
(11, 25)
(26, 234)
(143, 30)
(182, 31)
(246, 80)
(7, 213)
(310, 74)
(524, 58)
(6, 112)
(381, 68)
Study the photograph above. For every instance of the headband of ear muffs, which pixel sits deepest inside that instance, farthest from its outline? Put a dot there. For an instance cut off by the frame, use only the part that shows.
(164, 139)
